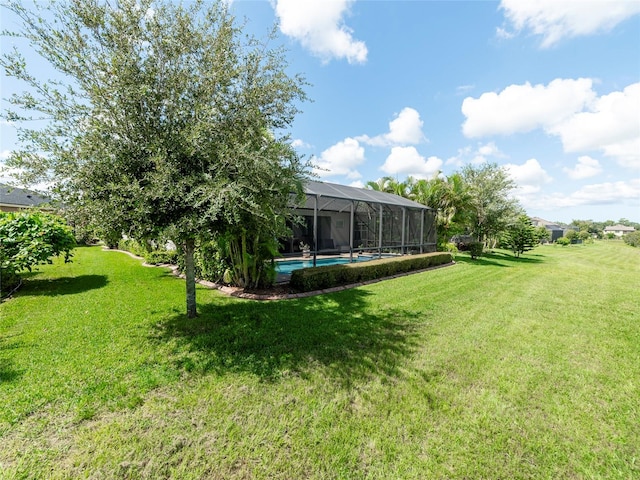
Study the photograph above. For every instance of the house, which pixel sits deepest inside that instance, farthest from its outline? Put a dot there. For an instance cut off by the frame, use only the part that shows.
(341, 219)
(555, 230)
(618, 230)
(13, 199)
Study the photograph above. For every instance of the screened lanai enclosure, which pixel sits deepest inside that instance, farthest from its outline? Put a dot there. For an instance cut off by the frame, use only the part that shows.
(340, 219)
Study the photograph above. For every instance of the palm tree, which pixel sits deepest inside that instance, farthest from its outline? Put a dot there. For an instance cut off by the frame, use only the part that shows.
(380, 185)
(448, 196)
(389, 185)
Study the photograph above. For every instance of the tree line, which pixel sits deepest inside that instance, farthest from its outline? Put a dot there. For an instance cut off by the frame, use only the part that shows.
(477, 201)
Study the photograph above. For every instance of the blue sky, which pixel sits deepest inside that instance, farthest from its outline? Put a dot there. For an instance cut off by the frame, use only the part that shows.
(548, 89)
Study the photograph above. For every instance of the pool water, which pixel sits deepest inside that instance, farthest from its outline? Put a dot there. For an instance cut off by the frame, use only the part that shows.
(287, 266)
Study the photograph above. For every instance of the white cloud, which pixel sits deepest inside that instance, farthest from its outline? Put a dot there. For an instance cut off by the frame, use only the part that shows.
(298, 143)
(475, 156)
(405, 129)
(357, 184)
(555, 20)
(591, 196)
(585, 168)
(530, 176)
(609, 193)
(4, 155)
(627, 153)
(504, 33)
(407, 160)
(490, 150)
(569, 109)
(612, 125)
(340, 159)
(318, 26)
(522, 108)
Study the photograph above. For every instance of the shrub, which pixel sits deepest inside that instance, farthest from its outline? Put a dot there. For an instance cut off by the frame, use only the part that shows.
(28, 239)
(132, 246)
(319, 278)
(151, 254)
(462, 242)
(564, 241)
(209, 261)
(161, 256)
(451, 248)
(475, 249)
(632, 239)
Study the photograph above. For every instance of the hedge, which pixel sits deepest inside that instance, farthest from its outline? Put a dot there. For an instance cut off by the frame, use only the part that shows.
(319, 278)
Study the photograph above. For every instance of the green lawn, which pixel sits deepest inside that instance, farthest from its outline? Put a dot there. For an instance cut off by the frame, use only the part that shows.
(496, 368)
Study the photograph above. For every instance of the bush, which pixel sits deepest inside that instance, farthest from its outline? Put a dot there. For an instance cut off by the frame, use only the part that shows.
(462, 242)
(319, 278)
(564, 241)
(28, 239)
(151, 255)
(209, 262)
(632, 239)
(161, 256)
(475, 249)
(132, 246)
(451, 248)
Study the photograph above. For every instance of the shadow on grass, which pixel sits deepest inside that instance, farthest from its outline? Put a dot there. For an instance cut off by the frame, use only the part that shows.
(499, 259)
(7, 372)
(275, 339)
(63, 285)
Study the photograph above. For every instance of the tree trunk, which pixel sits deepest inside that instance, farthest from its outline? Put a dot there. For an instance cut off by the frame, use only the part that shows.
(189, 247)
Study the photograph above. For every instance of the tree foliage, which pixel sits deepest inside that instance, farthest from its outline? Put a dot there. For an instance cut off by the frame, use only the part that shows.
(542, 234)
(171, 119)
(449, 196)
(28, 239)
(520, 236)
(476, 201)
(632, 239)
(491, 207)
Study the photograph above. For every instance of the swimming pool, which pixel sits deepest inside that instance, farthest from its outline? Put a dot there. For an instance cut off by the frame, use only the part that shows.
(287, 266)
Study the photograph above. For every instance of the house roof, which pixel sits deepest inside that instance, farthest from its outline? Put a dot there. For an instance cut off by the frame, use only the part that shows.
(619, 228)
(540, 222)
(339, 194)
(20, 197)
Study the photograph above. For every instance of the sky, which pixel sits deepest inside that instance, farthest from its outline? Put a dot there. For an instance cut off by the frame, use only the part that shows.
(547, 89)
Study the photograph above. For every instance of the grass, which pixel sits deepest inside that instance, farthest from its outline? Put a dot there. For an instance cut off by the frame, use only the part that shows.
(495, 368)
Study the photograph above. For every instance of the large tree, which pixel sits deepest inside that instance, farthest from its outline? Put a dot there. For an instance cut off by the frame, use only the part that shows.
(491, 206)
(168, 118)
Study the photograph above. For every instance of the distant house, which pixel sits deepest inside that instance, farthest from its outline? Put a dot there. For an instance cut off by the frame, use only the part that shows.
(555, 230)
(618, 230)
(14, 199)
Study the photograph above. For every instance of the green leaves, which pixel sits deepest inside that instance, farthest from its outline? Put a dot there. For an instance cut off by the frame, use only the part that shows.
(521, 236)
(28, 239)
(167, 117)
